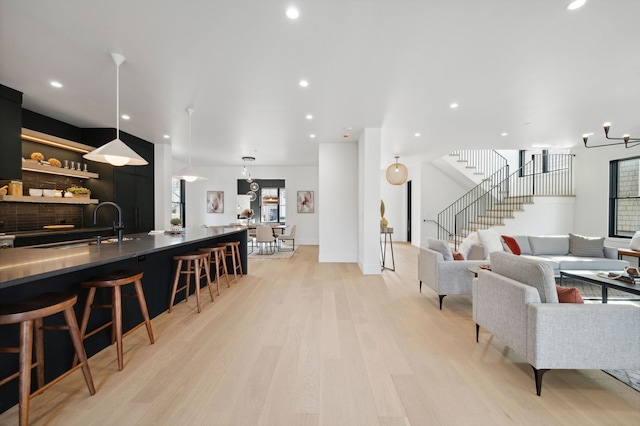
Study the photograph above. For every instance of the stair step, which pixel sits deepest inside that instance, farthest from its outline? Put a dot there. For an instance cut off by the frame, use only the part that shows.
(496, 217)
(479, 173)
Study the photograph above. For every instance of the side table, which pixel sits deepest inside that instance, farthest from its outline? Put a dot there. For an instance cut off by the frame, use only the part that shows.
(383, 248)
(629, 252)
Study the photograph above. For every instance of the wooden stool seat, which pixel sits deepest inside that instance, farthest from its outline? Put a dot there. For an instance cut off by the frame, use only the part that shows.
(233, 250)
(115, 281)
(195, 262)
(217, 261)
(30, 316)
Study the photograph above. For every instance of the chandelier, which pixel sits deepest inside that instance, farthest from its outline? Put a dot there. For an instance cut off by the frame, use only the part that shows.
(246, 172)
(626, 140)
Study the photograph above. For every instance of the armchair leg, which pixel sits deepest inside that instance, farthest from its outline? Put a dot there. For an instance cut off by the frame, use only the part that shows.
(477, 332)
(441, 296)
(538, 375)
(420, 286)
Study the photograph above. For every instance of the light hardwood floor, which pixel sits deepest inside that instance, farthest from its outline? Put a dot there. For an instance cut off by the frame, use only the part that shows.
(297, 342)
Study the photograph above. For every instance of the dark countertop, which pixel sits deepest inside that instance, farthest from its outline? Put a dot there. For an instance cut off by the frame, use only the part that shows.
(24, 264)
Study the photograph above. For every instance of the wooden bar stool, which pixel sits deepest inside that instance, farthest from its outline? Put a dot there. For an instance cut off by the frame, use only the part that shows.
(29, 315)
(115, 281)
(195, 262)
(233, 251)
(217, 261)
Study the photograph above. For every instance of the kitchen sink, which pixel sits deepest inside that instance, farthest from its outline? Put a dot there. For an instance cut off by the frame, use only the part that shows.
(81, 243)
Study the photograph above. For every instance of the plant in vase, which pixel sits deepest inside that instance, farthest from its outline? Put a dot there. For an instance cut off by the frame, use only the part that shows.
(79, 192)
(247, 214)
(176, 224)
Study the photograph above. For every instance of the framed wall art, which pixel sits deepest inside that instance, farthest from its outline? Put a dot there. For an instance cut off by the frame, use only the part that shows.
(215, 201)
(305, 202)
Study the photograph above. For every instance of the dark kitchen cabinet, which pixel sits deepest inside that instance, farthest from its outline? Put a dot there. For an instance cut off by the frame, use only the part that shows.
(10, 128)
(134, 194)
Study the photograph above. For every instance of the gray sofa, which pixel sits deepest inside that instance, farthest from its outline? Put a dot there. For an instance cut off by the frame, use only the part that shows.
(517, 302)
(570, 252)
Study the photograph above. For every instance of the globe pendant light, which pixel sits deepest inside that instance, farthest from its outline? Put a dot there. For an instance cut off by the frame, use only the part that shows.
(189, 172)
(116, 152)
(397, 173)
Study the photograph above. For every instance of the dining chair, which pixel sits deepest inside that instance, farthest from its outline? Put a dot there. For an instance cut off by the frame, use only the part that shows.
(264, 238)
(291, 236)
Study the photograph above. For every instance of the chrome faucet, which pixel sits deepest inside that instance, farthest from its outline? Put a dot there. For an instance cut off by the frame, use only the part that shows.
(117, 227)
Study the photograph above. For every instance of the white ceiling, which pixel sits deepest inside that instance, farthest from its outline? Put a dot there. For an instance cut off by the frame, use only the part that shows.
(532, 69)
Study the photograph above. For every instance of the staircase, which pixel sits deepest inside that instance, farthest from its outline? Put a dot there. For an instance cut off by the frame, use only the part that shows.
(502, 194)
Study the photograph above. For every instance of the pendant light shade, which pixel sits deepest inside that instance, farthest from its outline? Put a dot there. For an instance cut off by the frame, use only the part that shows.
(189, 173)
(116, 152)
(397, 173)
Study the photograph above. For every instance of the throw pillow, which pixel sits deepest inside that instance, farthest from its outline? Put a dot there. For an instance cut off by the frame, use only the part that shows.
(635, 242)
(569, 295)
(457, 255)
(441, 247)
(512, 244)
(467, 243)
(586, 246)
(491, 239)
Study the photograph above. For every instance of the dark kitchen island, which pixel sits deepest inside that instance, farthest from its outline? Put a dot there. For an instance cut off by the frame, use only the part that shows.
(28, 271)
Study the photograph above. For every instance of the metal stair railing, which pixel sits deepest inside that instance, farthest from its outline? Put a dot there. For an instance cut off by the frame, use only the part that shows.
(545, 174)
(486, 162)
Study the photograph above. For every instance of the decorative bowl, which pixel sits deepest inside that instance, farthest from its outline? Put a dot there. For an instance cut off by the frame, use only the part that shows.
(48, 192)
(34, 192)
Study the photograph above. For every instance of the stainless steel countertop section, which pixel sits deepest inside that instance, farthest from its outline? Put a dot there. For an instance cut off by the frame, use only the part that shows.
(24, 264)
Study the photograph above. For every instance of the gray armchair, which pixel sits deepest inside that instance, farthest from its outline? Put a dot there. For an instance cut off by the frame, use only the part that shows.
(517, 302)
(445, 277)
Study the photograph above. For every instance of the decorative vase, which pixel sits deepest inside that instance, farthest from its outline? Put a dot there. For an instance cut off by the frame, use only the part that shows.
(81, 195)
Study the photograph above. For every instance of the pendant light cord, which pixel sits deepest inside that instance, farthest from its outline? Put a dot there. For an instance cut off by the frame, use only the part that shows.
(117, 101)
(189, 112)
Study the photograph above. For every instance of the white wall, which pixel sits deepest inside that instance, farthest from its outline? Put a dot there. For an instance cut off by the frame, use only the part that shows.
(546, 216)
(226, 179)
(337, 199)
(163, 171)
(369, 145)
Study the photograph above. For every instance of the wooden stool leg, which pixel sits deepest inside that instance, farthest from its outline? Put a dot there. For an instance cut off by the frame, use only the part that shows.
(85, 318)
(237, 250)
(70, 317)
(143, 308)
(39, 342)
(26, 342)
(216, 267)
(233, 262)
(223, 261)
(208, 274)
(175, 285)
(197, 269)
(117, 324)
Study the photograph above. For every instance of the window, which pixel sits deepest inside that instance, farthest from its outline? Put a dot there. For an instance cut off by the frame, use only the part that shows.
(272, 205)
(624, 197)
(177, 200)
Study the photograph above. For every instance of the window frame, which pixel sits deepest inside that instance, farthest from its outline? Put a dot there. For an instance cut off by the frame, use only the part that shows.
(614, 175)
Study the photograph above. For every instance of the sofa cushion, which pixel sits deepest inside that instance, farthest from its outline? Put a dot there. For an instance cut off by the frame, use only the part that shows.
(441, 247)
(569, 295)
(527, 271)
(491, 239)
(634, 244)
(590, 263)
(523, 243)
(512, 244)
(549, 244)
(586, 246)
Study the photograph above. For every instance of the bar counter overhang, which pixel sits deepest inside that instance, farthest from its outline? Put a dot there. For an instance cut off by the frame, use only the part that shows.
(29, 271)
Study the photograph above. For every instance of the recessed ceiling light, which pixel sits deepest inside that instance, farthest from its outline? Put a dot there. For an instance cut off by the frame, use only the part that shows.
(293, 13)
(166, 136)
(56, 84)
(576, 4)
(504, 134)
(312, 135)
(304, 83)
(309, 117)
(416, 135)
(125, 117)
(453, 105)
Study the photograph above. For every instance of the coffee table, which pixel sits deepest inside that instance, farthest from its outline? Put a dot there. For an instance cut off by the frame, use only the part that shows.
(592, 277)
